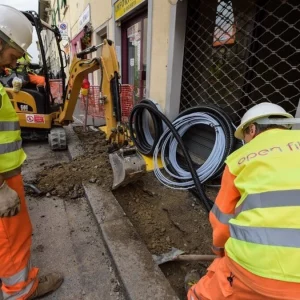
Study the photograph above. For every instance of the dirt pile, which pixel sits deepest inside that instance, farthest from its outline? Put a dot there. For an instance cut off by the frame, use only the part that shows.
(164, 218)
(65, 179)
(167, 218)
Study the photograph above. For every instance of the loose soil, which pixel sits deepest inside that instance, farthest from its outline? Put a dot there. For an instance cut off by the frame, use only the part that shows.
(65, 179)
(164, 218)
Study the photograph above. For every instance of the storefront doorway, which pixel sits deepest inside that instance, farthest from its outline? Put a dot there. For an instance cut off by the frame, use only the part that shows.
(134, 55)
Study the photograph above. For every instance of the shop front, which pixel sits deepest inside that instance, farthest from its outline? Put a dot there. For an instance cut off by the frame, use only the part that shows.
(83, 38)
(132, 16)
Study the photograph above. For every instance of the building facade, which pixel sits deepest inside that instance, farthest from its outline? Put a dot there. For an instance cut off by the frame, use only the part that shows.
(55, 12)
(183, 53)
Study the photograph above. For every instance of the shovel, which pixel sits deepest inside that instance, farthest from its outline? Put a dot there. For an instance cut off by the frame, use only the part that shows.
(177, 255)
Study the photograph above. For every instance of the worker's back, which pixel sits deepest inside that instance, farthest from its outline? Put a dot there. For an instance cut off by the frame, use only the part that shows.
(265, 232)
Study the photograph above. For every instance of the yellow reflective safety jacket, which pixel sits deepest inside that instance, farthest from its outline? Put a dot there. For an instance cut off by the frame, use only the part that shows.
(12, 155)
(265, 228)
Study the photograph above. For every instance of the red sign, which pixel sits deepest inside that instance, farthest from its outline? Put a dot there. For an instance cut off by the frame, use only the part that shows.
(39, 119)
(35, 118)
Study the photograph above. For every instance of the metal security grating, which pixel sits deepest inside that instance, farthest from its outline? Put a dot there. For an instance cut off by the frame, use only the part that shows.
(240, 53)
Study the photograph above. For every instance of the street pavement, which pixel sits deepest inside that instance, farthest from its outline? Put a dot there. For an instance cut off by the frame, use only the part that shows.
(66, 238)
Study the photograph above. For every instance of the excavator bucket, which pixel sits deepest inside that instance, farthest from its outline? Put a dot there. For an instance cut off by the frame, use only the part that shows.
(128, 166)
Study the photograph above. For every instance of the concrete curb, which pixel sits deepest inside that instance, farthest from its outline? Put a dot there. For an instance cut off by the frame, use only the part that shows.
(73, 141)
(140, 276)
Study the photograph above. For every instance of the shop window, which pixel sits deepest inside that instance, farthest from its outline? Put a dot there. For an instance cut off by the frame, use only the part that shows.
(134, 55)
(225, 27)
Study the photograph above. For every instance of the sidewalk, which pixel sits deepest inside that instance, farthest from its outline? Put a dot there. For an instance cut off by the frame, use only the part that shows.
(90, 240)
(141, 277)
(66, 238)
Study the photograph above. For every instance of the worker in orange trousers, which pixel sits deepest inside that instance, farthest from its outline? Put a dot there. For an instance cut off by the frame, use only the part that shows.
(19, 280)
(255, 218)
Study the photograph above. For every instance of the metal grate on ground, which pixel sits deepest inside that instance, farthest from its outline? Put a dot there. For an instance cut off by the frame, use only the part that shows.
(240, 53)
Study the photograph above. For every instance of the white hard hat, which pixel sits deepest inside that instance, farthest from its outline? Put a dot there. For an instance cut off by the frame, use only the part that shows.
(15, 28)
(260, 111)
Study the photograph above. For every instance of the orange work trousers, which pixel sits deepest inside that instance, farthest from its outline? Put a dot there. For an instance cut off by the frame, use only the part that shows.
(226, 280)
(15, 243)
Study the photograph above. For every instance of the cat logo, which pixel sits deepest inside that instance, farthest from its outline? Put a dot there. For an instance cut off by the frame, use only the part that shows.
(24, 107)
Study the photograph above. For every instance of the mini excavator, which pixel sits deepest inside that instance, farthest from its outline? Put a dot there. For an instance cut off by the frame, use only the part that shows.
(41, 118)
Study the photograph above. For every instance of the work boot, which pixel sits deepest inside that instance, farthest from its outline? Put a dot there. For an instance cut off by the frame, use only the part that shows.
(190, 279)
(47, 284)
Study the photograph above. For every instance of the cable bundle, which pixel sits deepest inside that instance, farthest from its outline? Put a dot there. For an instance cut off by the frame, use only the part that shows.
(139, 128)
(166, 144)
(176, 176)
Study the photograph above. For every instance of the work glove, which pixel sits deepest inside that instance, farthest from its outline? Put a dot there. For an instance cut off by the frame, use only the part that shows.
(9, 201)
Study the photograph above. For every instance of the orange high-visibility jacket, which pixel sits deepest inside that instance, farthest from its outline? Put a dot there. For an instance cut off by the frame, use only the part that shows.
(257, 209)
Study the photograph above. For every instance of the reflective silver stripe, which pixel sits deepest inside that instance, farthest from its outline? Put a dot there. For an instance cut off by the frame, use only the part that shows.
(10, 147)
(19, 277)
(285, 237)
(270, 199)
(9, 126)
(223, 218)
(19, 294)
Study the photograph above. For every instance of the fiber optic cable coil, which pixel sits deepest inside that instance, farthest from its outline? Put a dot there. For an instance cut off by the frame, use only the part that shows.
(164, 140)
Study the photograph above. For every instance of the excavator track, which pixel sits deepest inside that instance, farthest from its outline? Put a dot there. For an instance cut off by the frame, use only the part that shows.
(57, 139)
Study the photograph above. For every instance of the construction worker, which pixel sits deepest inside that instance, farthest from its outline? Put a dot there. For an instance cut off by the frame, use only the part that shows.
(19, 279)
(255, 218)
(24, 68)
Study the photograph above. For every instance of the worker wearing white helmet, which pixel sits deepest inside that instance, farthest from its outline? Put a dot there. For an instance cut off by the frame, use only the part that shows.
(255, 218)
(19, 279)
(256, 119)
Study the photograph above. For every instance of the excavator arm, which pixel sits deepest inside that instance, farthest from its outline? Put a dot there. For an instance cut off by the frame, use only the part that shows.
(78, 70)
(109, 67)
(127, 164)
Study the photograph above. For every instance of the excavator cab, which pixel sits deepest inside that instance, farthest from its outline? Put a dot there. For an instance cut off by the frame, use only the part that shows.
(35, 105)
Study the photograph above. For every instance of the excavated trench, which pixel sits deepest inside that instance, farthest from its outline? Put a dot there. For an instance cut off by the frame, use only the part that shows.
(164, 218)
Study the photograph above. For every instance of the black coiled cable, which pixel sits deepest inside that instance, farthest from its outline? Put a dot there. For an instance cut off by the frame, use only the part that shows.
(136, 127)
(155, 112)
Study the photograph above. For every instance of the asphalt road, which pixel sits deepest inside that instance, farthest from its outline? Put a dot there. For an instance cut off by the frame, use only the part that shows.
(66, 238)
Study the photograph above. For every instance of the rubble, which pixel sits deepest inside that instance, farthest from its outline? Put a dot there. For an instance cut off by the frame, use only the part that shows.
(164, 218)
